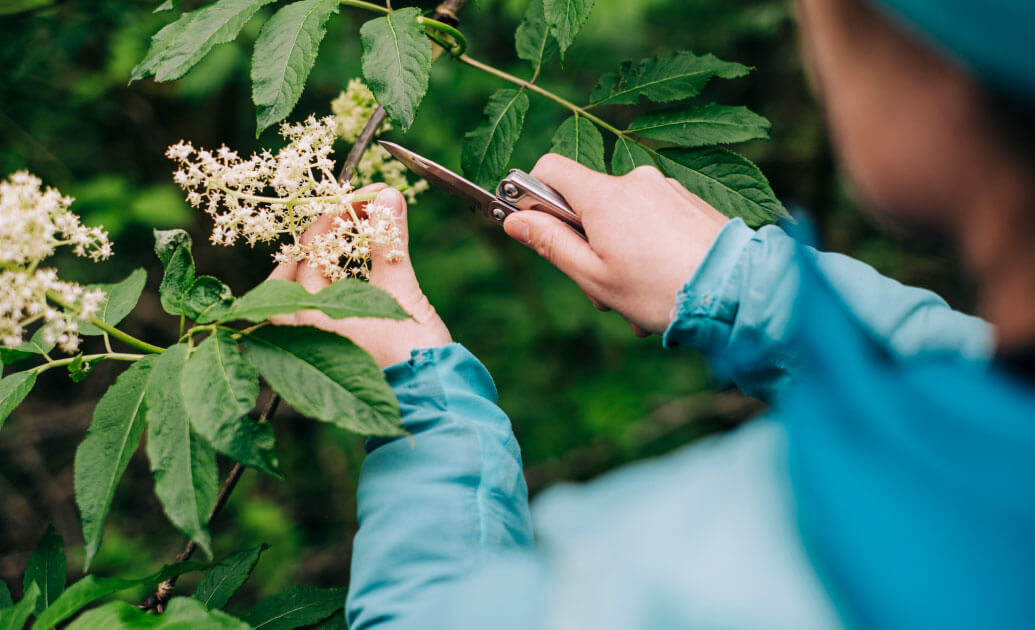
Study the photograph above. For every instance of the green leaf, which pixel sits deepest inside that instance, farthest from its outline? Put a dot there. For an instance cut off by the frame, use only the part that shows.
(729, 182)
(396, 63)
(13, 390)
(101, 459)
(487, 149)
(628, 155)
(182, 613)
(344, 298)
(663, 79)
(179, 46)
(334, 622)
(173, 249)
(578, 139)
(533, 40)
(14, 618)
(91, 588)
(702, 126)
(120, 300)
(168, 5)
(35, 346)
(79, 369)
(183, 464)
(296, 607)
(47, 568)
(5, 596)
(220, 386)
(284, 55)
(206, 300)
(222, 581)
(326, 377)
(566, 18)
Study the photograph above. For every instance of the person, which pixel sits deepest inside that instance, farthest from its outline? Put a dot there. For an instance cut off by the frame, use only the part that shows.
(890, 484)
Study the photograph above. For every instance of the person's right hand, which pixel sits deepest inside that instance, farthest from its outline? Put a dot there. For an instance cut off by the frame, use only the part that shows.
(647, 235)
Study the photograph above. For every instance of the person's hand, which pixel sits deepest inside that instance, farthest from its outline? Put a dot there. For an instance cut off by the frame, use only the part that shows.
(388, 341)
(647, 235)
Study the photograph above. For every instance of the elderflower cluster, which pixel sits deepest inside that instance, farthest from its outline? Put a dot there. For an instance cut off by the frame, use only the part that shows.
(267, 196)
(34, 222)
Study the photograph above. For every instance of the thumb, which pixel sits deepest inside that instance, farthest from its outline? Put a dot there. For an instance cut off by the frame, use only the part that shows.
(390, 265)
(556, 242)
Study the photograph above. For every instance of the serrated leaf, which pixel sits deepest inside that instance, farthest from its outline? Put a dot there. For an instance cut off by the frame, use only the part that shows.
(220, 386)
(223, 580)
(91, 588)
(183, 464)
(533, 40)
(729, 182)
(13, 390)
(580, 140)
(663, 79)
(47, 568)
(326, 377)
(180, 614)
(566, 18)
(121, 298)
(101, 459)
(397, 63)
(5, 596)
(35, 346)
(173, 248)
(344, 298)
(702, 126)
(487, 149)
(179, 46)
(14, 618)
(284, 54)
(296, 607)
(628, 155)
(206, 300)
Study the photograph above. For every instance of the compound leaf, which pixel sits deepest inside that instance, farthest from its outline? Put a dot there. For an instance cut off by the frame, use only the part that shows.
(47, 568)
(566, 18)
(533, 40)
(628, 155)
(120, 299)
(297, 606)
(345, 298)
(580, 140)
(13, 390)
(220, 583)
(396, 63)
(663, 79)
(487, 149)
(701, 126)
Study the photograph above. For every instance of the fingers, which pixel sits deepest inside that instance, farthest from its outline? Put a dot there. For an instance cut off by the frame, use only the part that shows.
(556, 242)
(639, 332)
(311, 277)
(579, 185)
(284, 271)
(383, 272)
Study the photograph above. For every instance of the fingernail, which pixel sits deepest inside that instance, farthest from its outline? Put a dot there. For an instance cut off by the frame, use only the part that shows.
(393, 199)
(518, 229)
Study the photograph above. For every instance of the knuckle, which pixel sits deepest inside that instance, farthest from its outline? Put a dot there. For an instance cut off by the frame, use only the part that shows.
(549, 163)
(646, 173)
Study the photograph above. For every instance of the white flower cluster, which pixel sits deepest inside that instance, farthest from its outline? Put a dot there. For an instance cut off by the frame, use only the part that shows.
(33, 223)
(344, 250)
(267, 196)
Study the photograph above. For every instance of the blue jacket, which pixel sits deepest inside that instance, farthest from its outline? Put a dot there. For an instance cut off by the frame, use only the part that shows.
(888, 486)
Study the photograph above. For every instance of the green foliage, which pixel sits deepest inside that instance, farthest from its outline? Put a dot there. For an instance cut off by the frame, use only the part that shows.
(221, 582)
(579, 139)
(702, 126)
(13, 390)
(326, 377)
(207, 300)
(14, 617)
(284, 54)
(5, 596)
(566, 18)
(35, 346)
(173, 248)
(345, 298)
(121, 298)
(181, 613)
(396, 63)
(47, 569)
(296, 607)
(487, 149)
(81, 367)
(663, 79)
(533, 41)
(628, 155)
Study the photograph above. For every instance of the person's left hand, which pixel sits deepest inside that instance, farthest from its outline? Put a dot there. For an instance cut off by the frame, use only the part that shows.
(388, 341)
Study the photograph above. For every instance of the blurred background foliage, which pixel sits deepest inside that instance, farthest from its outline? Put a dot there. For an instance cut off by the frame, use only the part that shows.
(583, 393)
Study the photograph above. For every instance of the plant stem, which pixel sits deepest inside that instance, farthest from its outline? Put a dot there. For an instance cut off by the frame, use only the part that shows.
(369, 6)
(459, 41)
(114, 356)
(126, 338)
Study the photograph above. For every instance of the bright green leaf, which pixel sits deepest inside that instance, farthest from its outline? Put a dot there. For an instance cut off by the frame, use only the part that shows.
(580, 140)
(120, 299)
(13, 390)
(729, 182)
(101, 459)
(284, 54)
(35, 346)
(47, 568)
(218, 585)
(344, 298)
(487, 149)
(5, 596)
(220, 386)
(325, 376)
(663, 79)
(296, 607)
(206, 300)
(173, 249)
(183, 464)
(181, 613)
(628, 155)
(566, 18)
(702, 126)
(396, 63)
(533, 40)
(14, 618)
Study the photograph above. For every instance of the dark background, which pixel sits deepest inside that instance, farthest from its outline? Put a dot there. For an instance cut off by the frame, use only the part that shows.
(584, 394)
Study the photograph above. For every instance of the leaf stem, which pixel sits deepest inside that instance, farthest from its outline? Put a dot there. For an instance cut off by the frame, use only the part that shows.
(369, 6)
(126, 338)
(114, 356)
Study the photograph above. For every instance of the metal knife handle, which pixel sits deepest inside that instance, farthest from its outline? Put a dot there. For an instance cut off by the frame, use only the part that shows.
(525, 192)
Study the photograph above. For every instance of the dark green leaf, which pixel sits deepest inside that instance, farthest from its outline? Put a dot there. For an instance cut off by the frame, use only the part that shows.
(729, 182)
(13, 390)
(566, 18)
(183, 464)
(297, 606)
(628, 155)
(344, 298)
(79, 369)
(702, 126)
(223, 580)
(35, 346)
(487, 149)
(396, 63)
(5, 596)
(179, 46)
(663, 79)
(47, 568)
(10, 7)
(91, 588)
(326, 377)
(207, 300)
(14, 618)
(220, 386)
(101, 459)
(334, 622)
(284, 55)
(579, 140)
(173, 249)
(532, 39)
(182, 613)
(120, 300)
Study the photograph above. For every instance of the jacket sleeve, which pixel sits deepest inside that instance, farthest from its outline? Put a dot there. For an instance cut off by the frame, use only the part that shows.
(743, 294)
